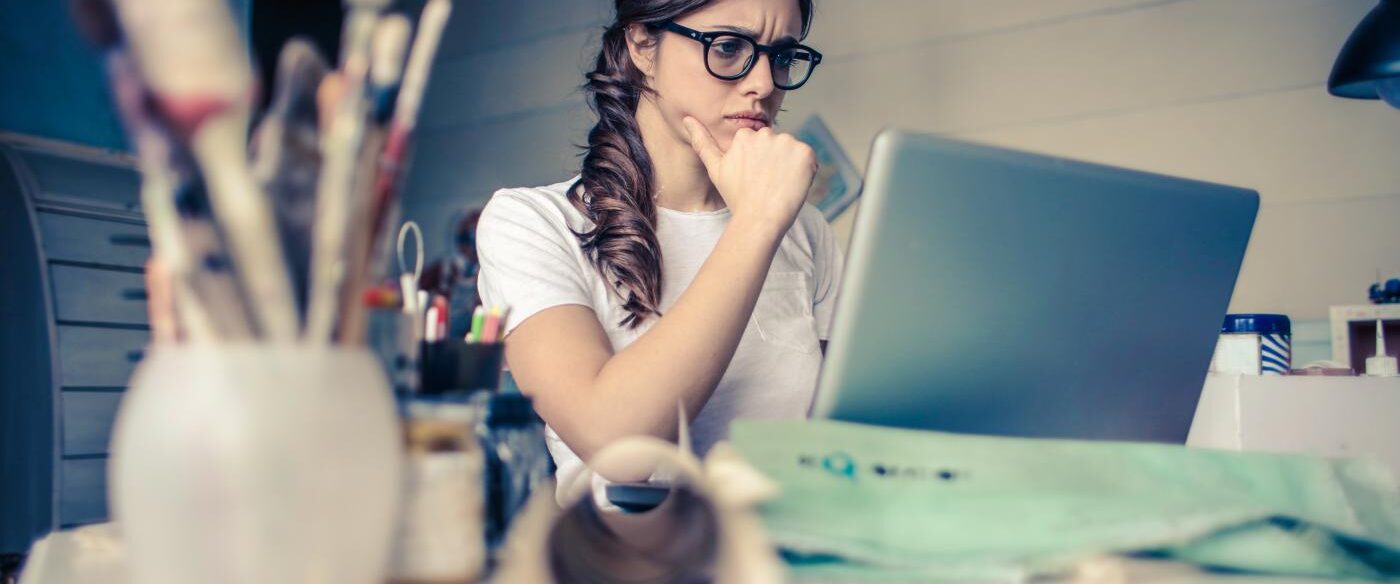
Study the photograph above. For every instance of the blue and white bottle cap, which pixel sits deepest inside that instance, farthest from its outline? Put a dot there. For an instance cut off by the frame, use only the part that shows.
(1263, 324)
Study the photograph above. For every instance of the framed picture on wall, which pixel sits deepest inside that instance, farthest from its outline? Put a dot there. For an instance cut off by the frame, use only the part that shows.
(837, 183)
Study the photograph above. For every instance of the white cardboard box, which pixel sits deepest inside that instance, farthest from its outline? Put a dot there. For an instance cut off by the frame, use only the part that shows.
(1329, 416)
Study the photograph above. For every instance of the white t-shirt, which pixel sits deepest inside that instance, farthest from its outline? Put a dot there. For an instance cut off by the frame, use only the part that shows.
(531, 261)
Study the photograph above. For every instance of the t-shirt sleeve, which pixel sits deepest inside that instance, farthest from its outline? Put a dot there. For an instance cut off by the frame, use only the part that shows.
(829, 265)
(529, 259)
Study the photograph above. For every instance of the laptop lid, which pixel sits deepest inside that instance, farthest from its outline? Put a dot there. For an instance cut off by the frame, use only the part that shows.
(993, 291)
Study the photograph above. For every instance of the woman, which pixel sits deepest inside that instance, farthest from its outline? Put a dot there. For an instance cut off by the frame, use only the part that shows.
(681, 264)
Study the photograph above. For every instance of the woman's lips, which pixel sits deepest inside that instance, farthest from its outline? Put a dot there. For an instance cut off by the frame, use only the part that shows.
(749, 123)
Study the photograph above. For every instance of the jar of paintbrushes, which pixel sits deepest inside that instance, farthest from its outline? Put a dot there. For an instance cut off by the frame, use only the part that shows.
(258, 442)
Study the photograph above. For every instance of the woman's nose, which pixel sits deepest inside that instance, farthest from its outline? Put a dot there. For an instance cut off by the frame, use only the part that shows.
(759, 81)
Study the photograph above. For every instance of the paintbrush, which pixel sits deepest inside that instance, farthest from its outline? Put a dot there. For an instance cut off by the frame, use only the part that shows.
(335, 197)
(287, 158)
(388, 47)
(167, 170)
(190, 54)
(406, 108)
(388, 181)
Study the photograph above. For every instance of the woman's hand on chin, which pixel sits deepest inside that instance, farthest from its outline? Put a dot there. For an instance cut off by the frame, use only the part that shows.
(764, 176)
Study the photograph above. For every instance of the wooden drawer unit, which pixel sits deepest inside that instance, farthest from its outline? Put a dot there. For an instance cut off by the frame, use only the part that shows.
(75, 247)
(87, 421)
(98, 183)
(88, 240)
(82, 496)
(99, 357)
(97, 295)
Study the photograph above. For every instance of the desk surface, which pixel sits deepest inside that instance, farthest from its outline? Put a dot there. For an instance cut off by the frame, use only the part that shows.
(93, 555)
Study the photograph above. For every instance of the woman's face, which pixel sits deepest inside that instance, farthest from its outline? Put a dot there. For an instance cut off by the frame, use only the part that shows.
(685, 88)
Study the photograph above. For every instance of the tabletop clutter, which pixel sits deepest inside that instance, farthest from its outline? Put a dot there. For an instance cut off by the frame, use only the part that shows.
(276, 321)
(303, 417)
(1262, 344)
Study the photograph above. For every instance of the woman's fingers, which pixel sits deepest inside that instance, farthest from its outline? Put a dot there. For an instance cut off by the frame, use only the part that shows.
(703, 143)
(763, 174)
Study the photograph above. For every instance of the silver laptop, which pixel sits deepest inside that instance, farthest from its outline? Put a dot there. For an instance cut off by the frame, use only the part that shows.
(991, 291)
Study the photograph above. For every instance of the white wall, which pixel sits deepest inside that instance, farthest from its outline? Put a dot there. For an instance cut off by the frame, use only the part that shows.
(1230, 91)
(502, 107)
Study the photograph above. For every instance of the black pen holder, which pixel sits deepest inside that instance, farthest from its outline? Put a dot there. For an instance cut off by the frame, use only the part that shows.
(454, 365)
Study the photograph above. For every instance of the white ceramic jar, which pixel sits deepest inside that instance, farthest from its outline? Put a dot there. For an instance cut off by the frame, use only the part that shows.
(257, 464)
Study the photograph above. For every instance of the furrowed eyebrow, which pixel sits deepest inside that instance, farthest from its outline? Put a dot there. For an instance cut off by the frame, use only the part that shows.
(787, 40)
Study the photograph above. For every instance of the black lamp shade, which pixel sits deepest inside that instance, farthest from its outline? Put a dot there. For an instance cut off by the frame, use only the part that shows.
(1371, 53)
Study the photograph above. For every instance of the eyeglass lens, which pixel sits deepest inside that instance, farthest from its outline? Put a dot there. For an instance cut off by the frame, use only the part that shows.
(731, 57)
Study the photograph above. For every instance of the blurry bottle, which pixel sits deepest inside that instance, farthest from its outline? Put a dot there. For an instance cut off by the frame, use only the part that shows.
(1254, 344)
(516, 458)
(440, 539)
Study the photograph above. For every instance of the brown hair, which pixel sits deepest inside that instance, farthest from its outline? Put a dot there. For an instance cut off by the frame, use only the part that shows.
(615, 183)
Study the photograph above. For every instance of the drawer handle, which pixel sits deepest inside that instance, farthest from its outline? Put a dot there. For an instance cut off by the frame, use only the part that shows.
(135, 356)
(130, 239)
(134, 294)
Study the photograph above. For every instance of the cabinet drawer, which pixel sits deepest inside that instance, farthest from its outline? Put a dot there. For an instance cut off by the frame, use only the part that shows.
(97, 295)
(87, 420)
(62, 178)
(83, 495)
(96, 357)
(80, 239)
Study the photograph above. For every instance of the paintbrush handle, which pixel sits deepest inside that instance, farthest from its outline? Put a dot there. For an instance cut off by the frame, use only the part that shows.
(247, 220)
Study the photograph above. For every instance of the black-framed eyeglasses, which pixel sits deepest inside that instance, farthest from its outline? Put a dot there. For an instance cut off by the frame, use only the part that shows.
(731, 55)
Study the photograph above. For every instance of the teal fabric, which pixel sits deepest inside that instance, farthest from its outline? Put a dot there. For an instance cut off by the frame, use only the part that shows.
(883, 503)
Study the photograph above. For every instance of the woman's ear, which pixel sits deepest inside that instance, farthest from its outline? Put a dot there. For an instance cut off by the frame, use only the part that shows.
(641, 46)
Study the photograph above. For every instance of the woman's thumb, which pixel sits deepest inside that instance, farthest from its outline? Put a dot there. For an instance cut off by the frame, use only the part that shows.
(702, 142)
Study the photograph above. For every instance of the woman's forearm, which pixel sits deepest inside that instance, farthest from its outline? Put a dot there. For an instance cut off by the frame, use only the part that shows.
(592, 396)
(682, 357)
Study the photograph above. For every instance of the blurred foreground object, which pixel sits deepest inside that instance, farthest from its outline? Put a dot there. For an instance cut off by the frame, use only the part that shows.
(866, 501)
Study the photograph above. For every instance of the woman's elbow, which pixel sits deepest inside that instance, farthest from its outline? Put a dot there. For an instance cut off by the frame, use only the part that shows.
(588, 434)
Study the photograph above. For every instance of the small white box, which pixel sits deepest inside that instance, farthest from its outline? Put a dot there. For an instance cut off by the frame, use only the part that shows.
(1329, 416)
